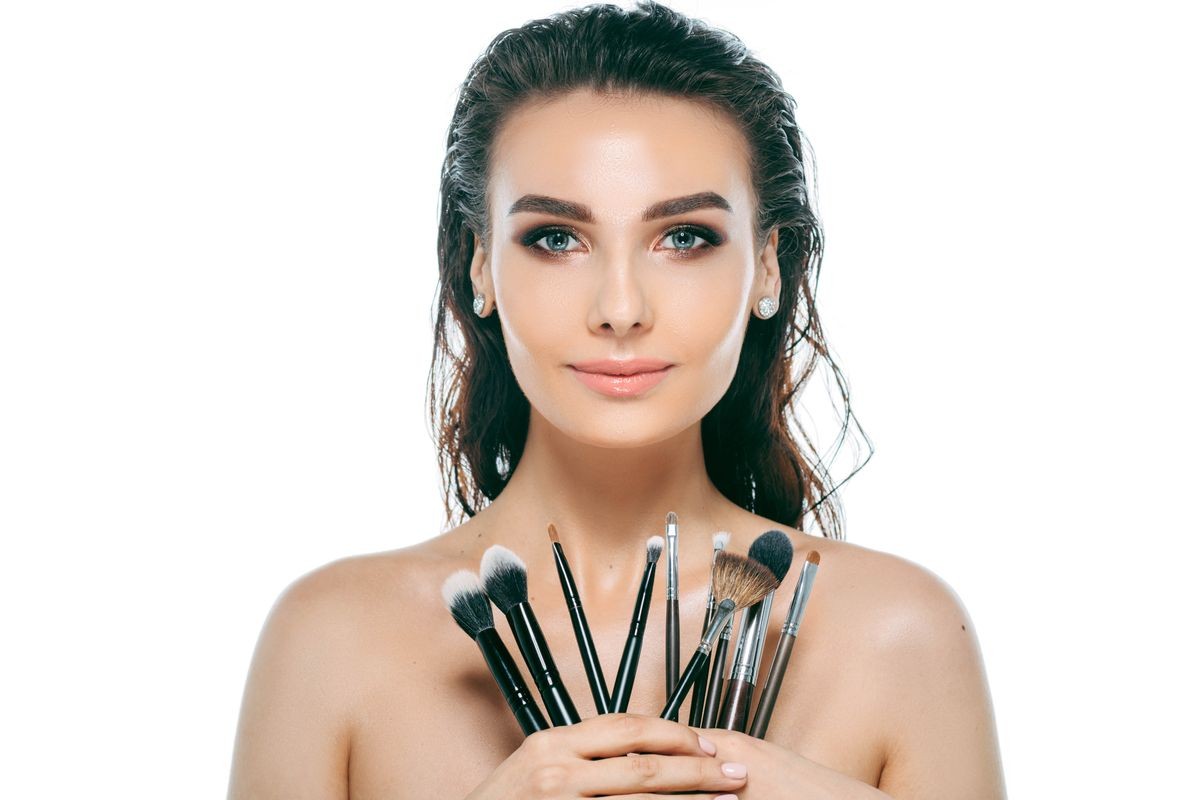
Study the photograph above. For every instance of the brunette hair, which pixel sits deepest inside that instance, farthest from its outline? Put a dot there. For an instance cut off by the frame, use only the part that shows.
(479, 415)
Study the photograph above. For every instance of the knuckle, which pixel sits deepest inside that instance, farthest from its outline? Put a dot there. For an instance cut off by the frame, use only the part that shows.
(645, 767)
(631, 726)
(548, 780)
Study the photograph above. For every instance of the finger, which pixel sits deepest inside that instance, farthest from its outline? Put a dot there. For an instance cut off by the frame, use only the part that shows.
(656, 773)
(611, 735)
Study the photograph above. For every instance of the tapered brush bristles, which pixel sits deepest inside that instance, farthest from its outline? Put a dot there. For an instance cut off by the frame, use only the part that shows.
(469, 606)
(672, 519)
(720, 540)
(553, 531)
(813, 558)
(774, 551)
(741, 579)
(654, 548)
(503, 575)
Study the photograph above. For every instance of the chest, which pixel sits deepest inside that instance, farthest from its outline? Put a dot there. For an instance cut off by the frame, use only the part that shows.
(435, 725)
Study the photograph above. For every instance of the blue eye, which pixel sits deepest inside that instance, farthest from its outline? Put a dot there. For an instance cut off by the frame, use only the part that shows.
(558, 236)
(686, 235)
(685, 239)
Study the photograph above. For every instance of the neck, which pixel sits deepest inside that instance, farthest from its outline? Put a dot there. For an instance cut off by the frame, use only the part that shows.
(605, 503)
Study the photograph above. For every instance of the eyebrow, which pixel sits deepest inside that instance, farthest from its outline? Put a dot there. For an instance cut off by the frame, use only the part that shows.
(581, 213)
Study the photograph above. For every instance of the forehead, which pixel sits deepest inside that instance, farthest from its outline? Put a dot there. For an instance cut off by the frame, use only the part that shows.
(618, 154)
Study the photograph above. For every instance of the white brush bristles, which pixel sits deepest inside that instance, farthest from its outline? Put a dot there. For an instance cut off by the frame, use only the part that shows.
(460, 583)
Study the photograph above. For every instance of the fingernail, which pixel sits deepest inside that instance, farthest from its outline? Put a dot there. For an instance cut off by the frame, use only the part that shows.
(732, 769)
(708, 746)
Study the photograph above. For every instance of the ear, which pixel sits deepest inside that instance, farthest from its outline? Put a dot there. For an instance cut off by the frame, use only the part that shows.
(766, 273)
(481, 276)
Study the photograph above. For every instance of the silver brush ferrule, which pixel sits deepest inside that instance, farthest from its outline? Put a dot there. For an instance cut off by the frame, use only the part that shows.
(799, 599)
(672, 561)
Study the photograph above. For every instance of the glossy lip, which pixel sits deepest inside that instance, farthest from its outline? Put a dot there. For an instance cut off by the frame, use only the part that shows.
(631, 377)
(625, 366)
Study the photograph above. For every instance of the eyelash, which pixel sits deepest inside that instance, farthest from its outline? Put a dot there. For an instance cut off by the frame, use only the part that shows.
(710, 236)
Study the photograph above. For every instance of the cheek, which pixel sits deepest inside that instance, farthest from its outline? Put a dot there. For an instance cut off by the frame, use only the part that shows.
(542, 320)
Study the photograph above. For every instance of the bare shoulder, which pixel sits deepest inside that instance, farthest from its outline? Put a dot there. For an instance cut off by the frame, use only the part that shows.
(917, 650)
(331, 637)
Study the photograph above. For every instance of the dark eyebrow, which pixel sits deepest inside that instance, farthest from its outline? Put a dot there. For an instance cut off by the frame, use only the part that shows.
(581, 213)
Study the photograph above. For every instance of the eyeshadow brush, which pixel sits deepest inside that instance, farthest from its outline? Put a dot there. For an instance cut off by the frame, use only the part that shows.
(783, 651)
(672, 659)
(696, 715)
(623, 686)
(583, 634)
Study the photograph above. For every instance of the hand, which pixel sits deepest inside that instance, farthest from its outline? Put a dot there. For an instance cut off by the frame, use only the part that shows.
(777, 773)
(631, 756)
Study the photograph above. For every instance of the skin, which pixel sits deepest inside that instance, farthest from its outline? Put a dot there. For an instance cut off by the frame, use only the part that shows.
(361, 684)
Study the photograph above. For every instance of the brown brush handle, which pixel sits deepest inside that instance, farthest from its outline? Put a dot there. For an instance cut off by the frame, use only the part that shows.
(716, 676)
(766, 701)
(737, 705)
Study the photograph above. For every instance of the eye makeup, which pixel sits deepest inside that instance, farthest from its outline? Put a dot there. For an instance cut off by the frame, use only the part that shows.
(710, 238)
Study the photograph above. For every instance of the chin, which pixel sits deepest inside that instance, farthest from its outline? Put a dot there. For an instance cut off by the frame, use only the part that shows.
(620, 424)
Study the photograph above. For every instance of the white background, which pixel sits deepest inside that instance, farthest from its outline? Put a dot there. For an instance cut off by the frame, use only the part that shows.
(217, 239)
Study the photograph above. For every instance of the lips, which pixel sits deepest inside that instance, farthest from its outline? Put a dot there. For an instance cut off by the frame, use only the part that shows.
(628, 366)
(622, 378)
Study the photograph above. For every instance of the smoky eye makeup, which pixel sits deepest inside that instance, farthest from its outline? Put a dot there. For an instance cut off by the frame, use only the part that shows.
(705, 237)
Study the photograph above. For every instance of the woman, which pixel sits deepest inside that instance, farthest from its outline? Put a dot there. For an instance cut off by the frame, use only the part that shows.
(623, 192)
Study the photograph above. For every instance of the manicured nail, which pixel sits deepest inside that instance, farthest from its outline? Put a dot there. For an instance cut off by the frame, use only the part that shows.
(732, 769)
(707, 746)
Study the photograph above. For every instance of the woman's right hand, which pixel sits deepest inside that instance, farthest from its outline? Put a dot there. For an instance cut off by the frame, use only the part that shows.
(593, 757)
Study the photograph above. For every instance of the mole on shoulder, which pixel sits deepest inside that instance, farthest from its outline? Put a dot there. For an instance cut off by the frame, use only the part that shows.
(964, 627)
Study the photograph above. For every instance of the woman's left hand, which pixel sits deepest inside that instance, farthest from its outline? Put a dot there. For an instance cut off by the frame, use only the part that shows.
(776, 773)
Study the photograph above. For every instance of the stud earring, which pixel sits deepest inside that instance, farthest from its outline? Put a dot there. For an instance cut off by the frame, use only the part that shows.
(478, 305)
(767, 306)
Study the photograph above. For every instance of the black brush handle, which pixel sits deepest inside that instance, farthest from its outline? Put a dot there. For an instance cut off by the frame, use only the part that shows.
(673, 650)
(697, 662)
(623, 686)
(712, 697)
(583, 633)
(541, 665)
(737, 705)
(766, 701)
(512, 685)
(696, 715)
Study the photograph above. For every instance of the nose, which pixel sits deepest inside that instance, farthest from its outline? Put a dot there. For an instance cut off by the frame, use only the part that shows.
(620, 304)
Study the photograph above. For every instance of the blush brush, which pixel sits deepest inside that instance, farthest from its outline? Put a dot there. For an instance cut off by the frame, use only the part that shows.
(506, 581)
(773, 550)
(472, 610)
(739, 582)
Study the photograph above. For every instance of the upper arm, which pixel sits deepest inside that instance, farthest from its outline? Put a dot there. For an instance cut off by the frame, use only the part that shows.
(293, 730)
(941, 740)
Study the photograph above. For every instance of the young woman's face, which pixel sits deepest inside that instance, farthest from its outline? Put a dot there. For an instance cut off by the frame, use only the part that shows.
(586, 263)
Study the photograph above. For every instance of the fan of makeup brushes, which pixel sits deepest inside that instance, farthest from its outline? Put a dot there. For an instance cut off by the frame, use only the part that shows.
(736, 583)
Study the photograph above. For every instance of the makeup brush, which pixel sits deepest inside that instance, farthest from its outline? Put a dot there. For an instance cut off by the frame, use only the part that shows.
(472, 610)
(716, 678)
(623, 685)
(773, 550)
(583, 634)
(783, 651)
(506, 581)
(739, 581)
(720, 539)
(672, 660)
